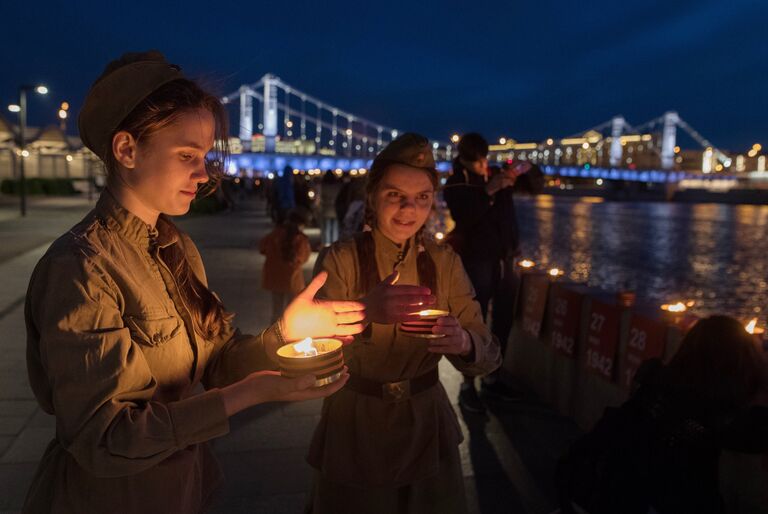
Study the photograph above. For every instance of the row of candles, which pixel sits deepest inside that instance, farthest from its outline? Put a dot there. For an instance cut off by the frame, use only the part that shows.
(627, 298)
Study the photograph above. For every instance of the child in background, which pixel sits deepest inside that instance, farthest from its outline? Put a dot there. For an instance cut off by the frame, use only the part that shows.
(286, 249)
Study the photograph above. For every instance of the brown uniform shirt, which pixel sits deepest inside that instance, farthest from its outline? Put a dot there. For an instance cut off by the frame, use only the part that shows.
(363, 440)
(111, 352)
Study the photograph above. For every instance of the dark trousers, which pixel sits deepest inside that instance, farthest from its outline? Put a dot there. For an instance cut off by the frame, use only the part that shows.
(496, 281)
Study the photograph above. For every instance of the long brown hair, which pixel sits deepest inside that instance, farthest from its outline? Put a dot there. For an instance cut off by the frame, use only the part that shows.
(366, 247)
(719, 362)
(159, 110)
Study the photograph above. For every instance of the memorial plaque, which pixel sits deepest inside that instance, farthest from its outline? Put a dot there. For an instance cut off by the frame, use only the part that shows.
(603, 338)
(566, 318)
(647, 339)
(534, 298)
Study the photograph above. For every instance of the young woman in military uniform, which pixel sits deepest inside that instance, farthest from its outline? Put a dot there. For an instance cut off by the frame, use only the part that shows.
(387, 442)
(122, 328)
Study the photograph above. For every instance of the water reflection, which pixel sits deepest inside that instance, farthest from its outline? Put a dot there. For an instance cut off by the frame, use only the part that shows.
(715, 254)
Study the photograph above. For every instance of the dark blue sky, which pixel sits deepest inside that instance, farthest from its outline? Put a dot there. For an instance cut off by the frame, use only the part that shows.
(523, 69)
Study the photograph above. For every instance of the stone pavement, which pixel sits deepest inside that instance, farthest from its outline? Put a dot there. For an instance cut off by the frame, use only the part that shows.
(508, 457)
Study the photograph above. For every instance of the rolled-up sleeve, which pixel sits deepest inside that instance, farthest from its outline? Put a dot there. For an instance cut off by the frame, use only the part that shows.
(97, 381)
(486, 351)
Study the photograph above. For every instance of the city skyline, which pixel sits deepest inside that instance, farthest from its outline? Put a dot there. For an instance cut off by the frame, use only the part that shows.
(520, 71)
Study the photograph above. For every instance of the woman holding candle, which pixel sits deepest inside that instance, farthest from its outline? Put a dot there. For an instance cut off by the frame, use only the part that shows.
(123, 332)
(387, 442)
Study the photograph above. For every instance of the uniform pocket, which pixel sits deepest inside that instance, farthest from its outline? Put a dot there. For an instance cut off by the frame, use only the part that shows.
(153, 332)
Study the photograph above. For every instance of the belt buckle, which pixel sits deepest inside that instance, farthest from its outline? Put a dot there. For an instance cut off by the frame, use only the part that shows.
(396, 391)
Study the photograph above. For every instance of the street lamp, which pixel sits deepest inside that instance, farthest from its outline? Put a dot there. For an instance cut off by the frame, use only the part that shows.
(21, 108)
(63, 114)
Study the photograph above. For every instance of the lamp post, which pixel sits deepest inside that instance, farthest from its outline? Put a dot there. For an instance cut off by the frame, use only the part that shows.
(22, 110)
(63, 116)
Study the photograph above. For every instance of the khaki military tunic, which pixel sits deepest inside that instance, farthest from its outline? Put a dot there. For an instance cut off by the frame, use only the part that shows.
(364, 441)
(112, 353)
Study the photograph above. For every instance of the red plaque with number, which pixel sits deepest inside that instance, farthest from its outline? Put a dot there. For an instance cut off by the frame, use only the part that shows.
(603, 338)
(646, 341)
(535, 288)
(566, 317)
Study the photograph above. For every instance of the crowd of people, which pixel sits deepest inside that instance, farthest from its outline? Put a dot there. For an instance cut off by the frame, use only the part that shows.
(141, 365)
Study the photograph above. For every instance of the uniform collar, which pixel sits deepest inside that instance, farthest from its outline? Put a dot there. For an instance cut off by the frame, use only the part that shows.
(118, 218)
(392, 251)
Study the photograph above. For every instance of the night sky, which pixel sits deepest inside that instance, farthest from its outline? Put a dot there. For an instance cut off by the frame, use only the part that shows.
(524, 69)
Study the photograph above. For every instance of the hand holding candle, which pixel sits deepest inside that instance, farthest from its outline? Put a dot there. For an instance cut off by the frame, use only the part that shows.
(455, 340)
(270, 386)
(388, 303)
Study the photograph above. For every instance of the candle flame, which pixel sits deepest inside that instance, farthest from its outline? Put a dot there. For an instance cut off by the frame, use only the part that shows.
(306, 347)
(526, 263)
(750, 327)
(555, 272)
(675, 307)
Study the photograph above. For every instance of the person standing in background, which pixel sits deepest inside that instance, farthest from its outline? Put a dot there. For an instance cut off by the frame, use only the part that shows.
(286, 249)
(329, 190)
(284, 197)
(487, 239)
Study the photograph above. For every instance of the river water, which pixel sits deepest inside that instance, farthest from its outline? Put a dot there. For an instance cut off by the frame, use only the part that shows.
(716, 255)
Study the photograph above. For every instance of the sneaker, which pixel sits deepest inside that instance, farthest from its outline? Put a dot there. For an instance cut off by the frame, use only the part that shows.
(501, 391)
(469, 400)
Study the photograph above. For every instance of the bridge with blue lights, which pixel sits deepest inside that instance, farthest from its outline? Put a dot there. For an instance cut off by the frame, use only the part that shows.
(280, 126)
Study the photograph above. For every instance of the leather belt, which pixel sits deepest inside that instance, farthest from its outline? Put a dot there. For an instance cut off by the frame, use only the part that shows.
(393, 391)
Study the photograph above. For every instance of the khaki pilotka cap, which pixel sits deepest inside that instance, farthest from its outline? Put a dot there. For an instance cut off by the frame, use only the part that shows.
(122, 86)
(410, 149)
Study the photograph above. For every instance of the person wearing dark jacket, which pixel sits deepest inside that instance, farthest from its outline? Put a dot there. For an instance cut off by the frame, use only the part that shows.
(661, 448)
(487, 238)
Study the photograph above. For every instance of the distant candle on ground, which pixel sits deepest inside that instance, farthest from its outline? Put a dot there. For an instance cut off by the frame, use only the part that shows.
(752, 327)
(674, 307)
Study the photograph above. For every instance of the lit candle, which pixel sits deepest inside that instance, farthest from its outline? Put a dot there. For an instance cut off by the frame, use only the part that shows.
(674, 307)
(432, 314)
(676, 313)
(320, 357)
(422, 327)
(307, 347)
(526, 263)
(753, 329)
(555, 272)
